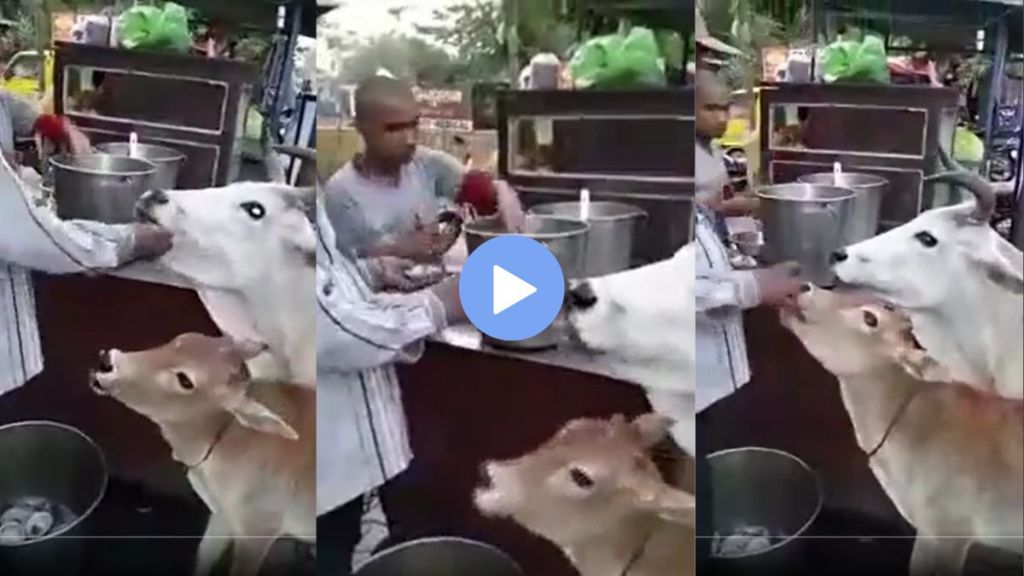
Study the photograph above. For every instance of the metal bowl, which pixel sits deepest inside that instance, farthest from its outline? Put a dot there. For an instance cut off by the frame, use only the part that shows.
(441, 556)
(765, 488)
(101, 187)
(613, 227)
(63, 465)
(168, 161)
(870, 190)
(564, 237)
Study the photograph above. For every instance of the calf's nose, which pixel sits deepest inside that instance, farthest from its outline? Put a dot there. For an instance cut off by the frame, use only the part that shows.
(106, 363)
(838, 256)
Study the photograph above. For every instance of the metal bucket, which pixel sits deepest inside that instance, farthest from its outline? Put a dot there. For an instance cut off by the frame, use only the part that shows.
(442, 556)
(805, 223)
(100, 187)
(59, 463)
(168, 161)
(613, 228)
(867, 206)
(764, 488)
(565, 238)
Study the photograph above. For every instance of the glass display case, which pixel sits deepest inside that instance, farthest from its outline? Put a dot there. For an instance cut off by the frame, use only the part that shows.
(196, 105)
(633, 146)
(891, 131)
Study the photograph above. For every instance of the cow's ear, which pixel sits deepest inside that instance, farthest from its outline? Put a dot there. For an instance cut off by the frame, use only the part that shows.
(1001, 264)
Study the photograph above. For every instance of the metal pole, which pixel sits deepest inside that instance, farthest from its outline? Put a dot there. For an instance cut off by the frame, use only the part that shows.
(995, 88)
(511, 8)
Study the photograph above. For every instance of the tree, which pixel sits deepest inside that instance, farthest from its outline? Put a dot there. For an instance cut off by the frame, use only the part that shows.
(410, 58)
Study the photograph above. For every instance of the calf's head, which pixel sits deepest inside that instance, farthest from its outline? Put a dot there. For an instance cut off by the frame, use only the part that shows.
(642, 316)
(232, 236)
(188, 379)
(918, 264)
(851, 336)
(592, 475)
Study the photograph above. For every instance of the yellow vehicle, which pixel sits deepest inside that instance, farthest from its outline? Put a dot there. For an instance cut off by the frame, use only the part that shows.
(29, 73)
(741, 141)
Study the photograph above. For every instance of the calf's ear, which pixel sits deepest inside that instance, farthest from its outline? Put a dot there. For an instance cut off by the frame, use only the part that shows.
(652, 427)
(667, 502)
(252, 414)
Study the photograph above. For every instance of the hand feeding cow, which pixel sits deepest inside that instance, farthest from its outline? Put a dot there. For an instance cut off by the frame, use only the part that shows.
(249, 445)
(594, 491)
(640, 324)
(950, 458)
(961, 283)
(253, 240)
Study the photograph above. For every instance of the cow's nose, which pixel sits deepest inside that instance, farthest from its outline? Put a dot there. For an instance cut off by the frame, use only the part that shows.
(147, 202)
(806, 287)
(106, 363)
(582, 296)
(838, 256)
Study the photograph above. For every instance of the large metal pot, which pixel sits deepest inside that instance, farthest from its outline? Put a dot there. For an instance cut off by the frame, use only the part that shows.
(61, 464)
(805, 223)
(100, 187)
(867, 205)
(765, 488)
(167, 161)
(441, 556)
(612, 231)
(565, 238)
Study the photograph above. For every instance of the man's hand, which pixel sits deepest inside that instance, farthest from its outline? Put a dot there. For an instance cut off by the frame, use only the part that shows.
(739, 206)
(779, 285)
(510, 209)
(391, 273)
(447, 291)
(78, 142)
(425, 244)
(150, 241)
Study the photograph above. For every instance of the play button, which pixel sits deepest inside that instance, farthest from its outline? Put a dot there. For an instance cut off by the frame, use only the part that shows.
(511, 287)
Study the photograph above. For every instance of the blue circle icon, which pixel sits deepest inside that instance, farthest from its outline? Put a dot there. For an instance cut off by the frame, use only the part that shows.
(512, 287)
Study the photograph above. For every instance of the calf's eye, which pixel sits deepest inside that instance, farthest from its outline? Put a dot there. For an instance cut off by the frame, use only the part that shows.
(184, 381)
(926, 239)
(581, 478)
(870, 319)
(255, 210)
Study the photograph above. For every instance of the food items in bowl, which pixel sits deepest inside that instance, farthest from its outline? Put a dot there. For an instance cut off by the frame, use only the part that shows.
(31, 518)
(744, 541)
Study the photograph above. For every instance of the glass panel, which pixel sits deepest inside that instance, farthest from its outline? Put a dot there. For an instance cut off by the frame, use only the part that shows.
(578, 146)
(844, 128)
(161, 100)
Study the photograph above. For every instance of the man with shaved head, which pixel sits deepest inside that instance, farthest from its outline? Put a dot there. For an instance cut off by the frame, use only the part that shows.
(386, 201)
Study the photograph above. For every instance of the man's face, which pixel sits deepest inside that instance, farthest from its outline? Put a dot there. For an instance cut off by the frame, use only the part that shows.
(712, 111)
(389, 129)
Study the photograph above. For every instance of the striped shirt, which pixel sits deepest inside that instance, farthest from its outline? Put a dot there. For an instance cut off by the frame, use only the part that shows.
(33, 238)
(362, 436)
(721, 296)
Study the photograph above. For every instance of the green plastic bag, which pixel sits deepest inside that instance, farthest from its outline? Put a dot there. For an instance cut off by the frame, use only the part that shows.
(968, 149)
(619, 61)
(851, 60)
(160, 29)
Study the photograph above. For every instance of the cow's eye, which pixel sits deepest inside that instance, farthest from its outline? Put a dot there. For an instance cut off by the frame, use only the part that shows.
(255, 210)
(870, 319)
(926, 239)
(184, 381)
(581, 478)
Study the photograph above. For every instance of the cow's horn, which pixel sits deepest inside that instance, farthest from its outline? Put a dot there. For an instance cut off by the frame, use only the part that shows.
(984, 193)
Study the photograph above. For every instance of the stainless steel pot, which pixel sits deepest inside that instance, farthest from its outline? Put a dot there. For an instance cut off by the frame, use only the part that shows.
(442, 556)
(770, 489)
(805, 223)
(59, 463)
(565, 238)
(100, 187)
(867, 205)
(613, 227)
(168, 161)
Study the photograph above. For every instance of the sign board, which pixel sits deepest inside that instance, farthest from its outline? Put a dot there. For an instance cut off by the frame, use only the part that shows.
(444, 109)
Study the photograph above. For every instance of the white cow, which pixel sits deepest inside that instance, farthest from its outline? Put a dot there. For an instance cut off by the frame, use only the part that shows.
(961, 283)
(255, 243)
(641, 324)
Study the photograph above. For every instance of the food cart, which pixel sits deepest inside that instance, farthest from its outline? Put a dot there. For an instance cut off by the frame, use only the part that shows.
(149, 519)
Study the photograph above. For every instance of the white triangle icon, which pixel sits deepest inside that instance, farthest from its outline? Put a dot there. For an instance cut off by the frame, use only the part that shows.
(509, 290)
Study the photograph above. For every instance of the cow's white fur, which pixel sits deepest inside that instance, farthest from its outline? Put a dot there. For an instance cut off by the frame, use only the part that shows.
(963, 294)
(269, 263)
(642, 324)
